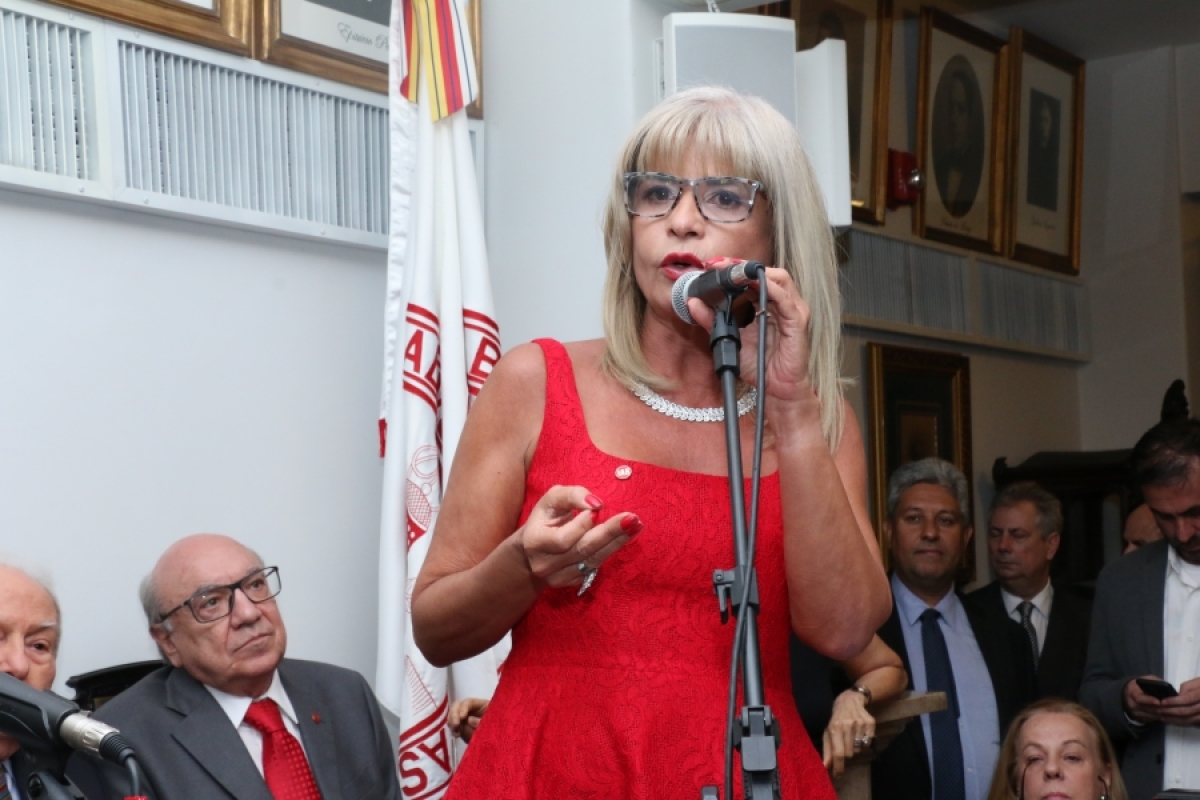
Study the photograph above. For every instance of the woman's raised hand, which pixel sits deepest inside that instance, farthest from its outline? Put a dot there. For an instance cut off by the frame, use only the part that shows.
(561, 534)
(788, 337)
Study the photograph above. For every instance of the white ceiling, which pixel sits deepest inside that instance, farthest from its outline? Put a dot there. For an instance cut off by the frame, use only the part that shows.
(1093, 29)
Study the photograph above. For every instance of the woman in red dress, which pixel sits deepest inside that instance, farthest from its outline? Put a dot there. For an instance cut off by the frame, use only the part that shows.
(587, 506)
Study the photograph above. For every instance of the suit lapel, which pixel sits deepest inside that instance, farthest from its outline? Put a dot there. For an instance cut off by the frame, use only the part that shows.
(892, 634)
(316, 729)
(211, 739)
(1151, 592)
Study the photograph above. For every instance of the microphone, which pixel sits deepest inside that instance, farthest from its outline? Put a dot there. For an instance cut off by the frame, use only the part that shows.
(44, 721)
(712, 286)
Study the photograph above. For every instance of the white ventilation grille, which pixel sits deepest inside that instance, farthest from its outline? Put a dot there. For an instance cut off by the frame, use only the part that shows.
(1031, 309)
(892, 281)
(47, 111)
(212, 134)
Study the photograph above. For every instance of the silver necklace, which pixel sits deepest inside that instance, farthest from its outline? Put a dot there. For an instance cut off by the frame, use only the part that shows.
(664, 406)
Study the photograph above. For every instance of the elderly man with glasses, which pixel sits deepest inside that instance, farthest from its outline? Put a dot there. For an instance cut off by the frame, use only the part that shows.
(229, 716)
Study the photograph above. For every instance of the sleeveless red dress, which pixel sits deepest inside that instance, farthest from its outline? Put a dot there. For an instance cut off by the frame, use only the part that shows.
(621, 693)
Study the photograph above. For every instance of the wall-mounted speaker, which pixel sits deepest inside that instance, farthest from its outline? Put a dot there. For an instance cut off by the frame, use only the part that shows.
(757, 55)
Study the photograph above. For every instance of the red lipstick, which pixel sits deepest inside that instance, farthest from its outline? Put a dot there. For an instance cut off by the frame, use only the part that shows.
(676, 264)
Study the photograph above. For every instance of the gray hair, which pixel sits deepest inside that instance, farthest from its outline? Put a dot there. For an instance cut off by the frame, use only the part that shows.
(41, 577)
(152, 603)
(929, 470)
(1047, 506)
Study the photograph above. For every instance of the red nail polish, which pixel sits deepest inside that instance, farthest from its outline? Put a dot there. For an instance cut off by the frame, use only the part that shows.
(593, 502)
(632, 525)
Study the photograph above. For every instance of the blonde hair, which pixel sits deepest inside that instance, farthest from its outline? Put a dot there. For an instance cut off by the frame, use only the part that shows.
(1006, 781)
(754, 141)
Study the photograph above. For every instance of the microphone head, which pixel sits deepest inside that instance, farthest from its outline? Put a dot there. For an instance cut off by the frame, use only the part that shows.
(679, 296)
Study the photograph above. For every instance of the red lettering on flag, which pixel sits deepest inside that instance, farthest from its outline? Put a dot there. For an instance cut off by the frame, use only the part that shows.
(482, 332)
(422, 356)
(424, 753)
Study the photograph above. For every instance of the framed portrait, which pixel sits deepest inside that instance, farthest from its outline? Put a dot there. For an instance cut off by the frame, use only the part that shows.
(223, 24)
(1046, 155)
(342, 40)
(919, 405)
(866, 28)
(961, 125)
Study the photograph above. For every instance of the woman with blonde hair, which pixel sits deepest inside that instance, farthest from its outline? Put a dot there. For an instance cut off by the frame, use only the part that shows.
(1056, 748)
(587, 506)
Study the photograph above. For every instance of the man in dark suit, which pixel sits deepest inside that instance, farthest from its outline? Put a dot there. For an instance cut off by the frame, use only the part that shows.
(1024, 528)
(950, 754)
(230, 717)
(1145, 623)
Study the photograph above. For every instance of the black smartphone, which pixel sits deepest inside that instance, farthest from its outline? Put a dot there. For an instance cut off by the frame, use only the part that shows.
(1156, 688)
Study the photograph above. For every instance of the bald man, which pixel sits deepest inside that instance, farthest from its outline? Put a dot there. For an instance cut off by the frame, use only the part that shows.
(1140, 529)
(29, 632)
(229, 716)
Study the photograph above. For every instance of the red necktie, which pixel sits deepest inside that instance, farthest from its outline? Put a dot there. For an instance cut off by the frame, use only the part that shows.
(284, 765)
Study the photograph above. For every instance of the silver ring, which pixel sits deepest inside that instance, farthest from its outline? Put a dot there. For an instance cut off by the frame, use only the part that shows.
(582, 566)
(587, 581)
(863, 741)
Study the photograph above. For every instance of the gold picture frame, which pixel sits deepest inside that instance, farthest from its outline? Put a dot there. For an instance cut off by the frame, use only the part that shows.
(961, 125)
(318, 55)
(866, 28)
(1045, 170)
(227, 25)
(919, 405)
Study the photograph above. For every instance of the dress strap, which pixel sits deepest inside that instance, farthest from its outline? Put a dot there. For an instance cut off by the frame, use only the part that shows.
(563, 407)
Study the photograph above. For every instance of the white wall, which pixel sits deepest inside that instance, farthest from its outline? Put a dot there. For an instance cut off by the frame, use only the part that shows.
(161, 377)
(564, 84)
(1131, 253)
(558, 103)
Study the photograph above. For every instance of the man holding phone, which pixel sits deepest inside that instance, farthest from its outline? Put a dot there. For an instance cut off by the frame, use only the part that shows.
(1143, 661)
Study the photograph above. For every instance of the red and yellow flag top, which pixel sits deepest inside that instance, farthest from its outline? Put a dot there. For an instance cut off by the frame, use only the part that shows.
(437, 42)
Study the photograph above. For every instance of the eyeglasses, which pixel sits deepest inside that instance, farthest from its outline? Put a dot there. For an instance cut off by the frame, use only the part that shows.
(655, 194)
(216, 602)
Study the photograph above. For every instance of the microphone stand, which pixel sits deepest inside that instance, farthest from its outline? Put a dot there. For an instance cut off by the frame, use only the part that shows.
(756, 735)
(41, 775)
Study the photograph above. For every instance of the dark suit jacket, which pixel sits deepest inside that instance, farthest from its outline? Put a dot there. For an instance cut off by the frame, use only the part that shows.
(1064, 652)
(901, 772)
(190, 751)
(1126, 643)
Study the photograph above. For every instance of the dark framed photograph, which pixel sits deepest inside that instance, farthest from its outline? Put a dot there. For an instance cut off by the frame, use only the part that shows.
(919, 406)
(341, 40)
(223, 24)
(866, 28)
(1046, 155)
(961, 125)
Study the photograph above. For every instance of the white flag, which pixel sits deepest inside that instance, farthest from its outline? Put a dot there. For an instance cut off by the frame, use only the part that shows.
(441, 343)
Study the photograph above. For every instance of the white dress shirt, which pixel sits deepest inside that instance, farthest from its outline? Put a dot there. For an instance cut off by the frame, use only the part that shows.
(1181, 627)
(978, 721)
(1040, 616)
(236, 707)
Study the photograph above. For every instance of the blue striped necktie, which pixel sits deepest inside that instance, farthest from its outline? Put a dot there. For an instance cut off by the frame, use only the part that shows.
(948, 780)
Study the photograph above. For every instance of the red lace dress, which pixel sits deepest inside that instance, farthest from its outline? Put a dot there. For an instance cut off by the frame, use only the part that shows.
(621, 693)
